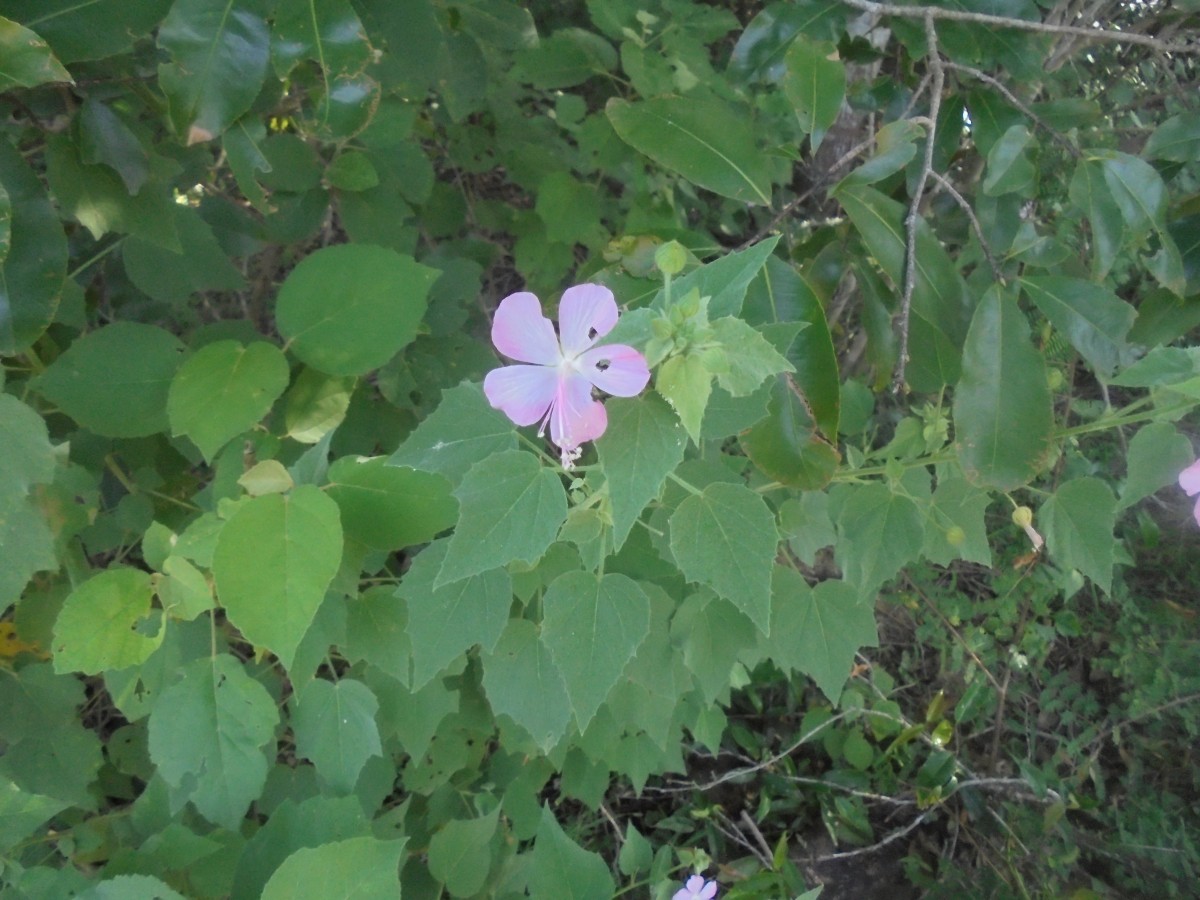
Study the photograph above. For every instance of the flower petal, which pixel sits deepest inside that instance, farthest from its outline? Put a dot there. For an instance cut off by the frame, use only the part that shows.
(524, 393)
(616, 369)
(1196, 512)
(710, 891)
(1189, 479)
(576, 417)
(521, 332)
(586, 312)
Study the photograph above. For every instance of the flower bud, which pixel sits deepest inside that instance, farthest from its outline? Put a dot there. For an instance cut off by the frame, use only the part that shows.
(955, 536)
(670, 258)
(1022, 516)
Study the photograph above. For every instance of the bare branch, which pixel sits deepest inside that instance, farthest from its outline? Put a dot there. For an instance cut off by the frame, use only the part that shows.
(1018, 103)
(911, 221)
(975, 226)
(957, 15)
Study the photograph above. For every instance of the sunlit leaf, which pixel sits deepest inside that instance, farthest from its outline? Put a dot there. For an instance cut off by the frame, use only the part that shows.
(273, 560)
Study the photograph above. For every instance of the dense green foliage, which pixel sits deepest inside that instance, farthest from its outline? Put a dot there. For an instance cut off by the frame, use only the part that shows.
(876, 582)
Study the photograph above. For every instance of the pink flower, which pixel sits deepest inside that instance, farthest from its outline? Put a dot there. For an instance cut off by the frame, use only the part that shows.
(1189, 480)
(555, 389)
(696, 888)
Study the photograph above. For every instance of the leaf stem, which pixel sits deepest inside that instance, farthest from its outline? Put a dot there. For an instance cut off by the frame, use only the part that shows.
(690, 488)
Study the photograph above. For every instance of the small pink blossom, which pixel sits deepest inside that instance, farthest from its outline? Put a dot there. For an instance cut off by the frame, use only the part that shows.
(696, 888)
(555, 388)
(1189, 480)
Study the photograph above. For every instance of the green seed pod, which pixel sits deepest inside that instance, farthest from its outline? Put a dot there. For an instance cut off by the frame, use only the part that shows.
(1022, 516)
(955, 536)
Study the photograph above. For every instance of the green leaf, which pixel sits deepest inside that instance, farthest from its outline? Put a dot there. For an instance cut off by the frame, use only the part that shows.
(778, 295)
(570, 209)
(463, 430)
(724, 280)
(1090, 192)
(33, 271)
(192, 265)
(266, 477)
(293, 825)
(106, 623)
(642, 445)
(447, 621)
(243, 146)
(522, 682)
(130, 887)
(510, 508)
(806, 525)
(219, 51)
(114, 381)
(759, 52)
(636, 852)
(592, 628)
(98, 198)
(352, 171)
(316, 405)
(786, 445)
(1157, 454)
(725, 537)
(389, 507)
(185, 593)
(361, 868)
(1009, 170)
(328, 32)
(1177, 139)
(501, 23)
(84, 31)
(23, 812)
(208, 733)
(940, 311)
(25, 59)
(458, 854)
(28, 456)
(567, 58)
(1003, 414)
(1095, 320)
(105, 139)
(706, 141)
(752, 359)
(1079, 521)
(273, 561)
(714, 635)
(686, 383)
(381, 302)
(376, 624)
(334, 724)
(818, 631)
(564, 870)
(1137, 188)
(48, 750)
(895, 147)
(223, 389)
(881, 532)
(815, 84)
(956, 504)
(26, 546)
